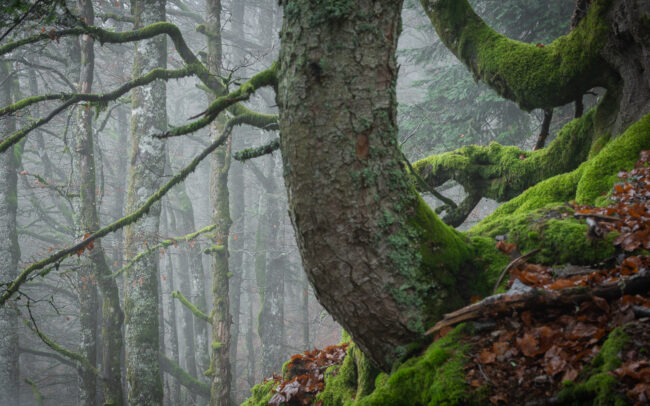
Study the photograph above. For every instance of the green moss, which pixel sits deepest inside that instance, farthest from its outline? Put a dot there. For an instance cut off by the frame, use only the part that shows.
(490, 261)
(534, 77)
(599, 173)
(503, 172)
(597, 387)
(435, 378)
(589, 183)
(261, 394)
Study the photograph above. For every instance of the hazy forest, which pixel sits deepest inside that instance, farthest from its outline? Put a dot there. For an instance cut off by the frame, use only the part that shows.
(324, 202)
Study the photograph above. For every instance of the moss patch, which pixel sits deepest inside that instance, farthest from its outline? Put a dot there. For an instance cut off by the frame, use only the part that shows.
(597, 387)
(261, 394)
(435, 378)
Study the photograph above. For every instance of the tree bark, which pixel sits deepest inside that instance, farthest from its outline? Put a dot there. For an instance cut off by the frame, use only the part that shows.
(149, 115)
(9, 251)
(220, 205)
(380, 261)
(96, 272)
(271, 318)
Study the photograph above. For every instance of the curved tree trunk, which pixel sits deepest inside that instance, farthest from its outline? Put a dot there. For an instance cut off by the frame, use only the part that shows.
(379, 260)
(149, 115)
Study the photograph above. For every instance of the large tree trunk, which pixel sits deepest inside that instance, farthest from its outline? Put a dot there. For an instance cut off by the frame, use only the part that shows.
(149, 115)
(9, 252)
(379, 260)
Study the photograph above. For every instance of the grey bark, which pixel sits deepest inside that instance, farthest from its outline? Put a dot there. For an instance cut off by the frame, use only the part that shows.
(148, 115)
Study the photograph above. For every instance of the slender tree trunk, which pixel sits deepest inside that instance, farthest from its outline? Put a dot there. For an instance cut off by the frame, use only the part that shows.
(239, 219)
(9, 252)
(271, 329)
(219, 165)
(96, 271)
(304, 312)
(167, 289)
(187, 324)
(201, 357)
(149, 115)
(84, 206)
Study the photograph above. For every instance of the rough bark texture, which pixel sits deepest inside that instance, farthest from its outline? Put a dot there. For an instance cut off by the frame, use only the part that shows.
(9, 253)
(148, 116)
(220, 205)
(379, 260)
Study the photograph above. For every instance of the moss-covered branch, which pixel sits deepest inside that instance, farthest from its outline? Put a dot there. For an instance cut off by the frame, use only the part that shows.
(195, 310)
(193, 66)
(38, 396)
(534, 76)
(162, 245)
(503, 172)
(73, 98)
(54, 260)
(48, 354)
(250, 153)
(163, 74)
(262, 79)
(78, 360)
(184, 378)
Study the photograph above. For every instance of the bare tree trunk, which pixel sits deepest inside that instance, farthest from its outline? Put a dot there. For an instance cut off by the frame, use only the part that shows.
(271, 325)
(9, 251)
(187, 324)
(149, 115)
(170, 303)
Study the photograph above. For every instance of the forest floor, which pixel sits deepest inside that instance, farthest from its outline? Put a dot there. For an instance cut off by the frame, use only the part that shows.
(557, 328)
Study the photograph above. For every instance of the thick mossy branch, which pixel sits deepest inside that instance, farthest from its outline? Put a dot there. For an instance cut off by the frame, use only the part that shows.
(59, 256)
(195, 310)
(534, 76)
(503, 172)
(184, 378)
(250, 153)
(162, 245)
(590, 183)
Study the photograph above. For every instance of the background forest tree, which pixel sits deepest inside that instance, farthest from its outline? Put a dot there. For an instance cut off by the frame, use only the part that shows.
(204, 292)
